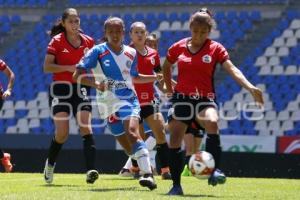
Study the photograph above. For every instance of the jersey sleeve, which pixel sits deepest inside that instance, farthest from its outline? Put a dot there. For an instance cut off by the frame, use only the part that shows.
(157, 67)
(133, 69)
(222, 55)
(90, 59)
(173, 53)
(53, 47)
(2, 65)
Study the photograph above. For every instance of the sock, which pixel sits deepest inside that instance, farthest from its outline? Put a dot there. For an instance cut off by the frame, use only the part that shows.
(1, 154)
(213, 146)
(150, 143)
(53, 151)
(176, 164)
(128, 164)
(163, 154)
(89, 150)
(141, 154)
(187, 160)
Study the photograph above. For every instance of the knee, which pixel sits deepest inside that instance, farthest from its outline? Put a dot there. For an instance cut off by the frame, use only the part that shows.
(61, 137)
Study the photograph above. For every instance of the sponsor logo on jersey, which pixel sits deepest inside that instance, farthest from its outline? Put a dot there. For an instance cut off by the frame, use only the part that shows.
(65, 50)
(206, 59)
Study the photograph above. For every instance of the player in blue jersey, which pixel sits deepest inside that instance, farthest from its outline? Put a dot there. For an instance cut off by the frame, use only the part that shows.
(114, 67)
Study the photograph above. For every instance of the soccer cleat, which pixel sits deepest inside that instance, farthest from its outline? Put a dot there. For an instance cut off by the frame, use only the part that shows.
(186, 171)
(92, 176)
(48, 172)
(125, 173)
(175, 190)
(6, 162)
(165, 173)
(217, 177)
(147, 180)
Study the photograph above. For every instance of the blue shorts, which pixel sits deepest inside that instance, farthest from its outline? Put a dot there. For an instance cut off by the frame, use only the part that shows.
(115, 123)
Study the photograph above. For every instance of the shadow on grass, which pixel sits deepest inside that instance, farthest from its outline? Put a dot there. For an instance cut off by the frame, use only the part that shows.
(59, 185)
(115, 189)
(193, 196)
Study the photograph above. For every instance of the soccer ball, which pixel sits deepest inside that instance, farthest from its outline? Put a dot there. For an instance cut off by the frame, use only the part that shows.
(201, 164)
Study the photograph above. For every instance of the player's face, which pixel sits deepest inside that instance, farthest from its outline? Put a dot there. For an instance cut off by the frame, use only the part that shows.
(138, 34)
(72, 24)
(153, 43)
(114, 33)
(199, 32)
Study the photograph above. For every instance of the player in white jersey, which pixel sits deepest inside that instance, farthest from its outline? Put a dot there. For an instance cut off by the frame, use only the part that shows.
(114, 69)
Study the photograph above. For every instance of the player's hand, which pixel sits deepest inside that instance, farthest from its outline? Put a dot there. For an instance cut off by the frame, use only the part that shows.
(6, 94)
(71, 68)
(102, 86)
(257, 96)
(159, 78)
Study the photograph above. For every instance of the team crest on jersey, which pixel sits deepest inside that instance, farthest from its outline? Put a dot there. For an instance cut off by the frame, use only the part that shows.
(206, 58)
(152, 61)
(128, 63)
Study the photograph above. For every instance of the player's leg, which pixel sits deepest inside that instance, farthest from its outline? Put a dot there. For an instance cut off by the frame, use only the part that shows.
(189, 150)
(209, 118)
(82, 110)
(156, 123)
(59, 101)
(140, 152)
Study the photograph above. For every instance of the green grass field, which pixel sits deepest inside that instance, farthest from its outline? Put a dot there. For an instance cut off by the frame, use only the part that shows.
(25, 186)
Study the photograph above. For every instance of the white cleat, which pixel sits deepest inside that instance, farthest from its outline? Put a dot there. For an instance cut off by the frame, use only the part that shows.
(48, 172)
(147, 180)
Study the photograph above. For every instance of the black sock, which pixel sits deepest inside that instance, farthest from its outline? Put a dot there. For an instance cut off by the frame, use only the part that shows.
(89, 150)
(163, 154)
(134, 163)
(1, 154)
(213, 146)
(53, 151)
(187, 160)
(176, 164)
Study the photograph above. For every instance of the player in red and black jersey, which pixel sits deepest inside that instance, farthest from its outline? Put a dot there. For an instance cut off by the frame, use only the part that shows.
(5, 157)
(193, 96)
(149, 63)
(66, 48)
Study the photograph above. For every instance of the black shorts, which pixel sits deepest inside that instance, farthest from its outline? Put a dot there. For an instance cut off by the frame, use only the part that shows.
(147, 111)
(195, 129)
(186, 108)
(1, 102)
(64, 97)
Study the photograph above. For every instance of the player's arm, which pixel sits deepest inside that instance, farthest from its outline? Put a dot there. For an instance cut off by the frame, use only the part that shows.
(80, 76)
(11, 79)
(167, 76)
(239, 77)
(143, 78)
(51, 67)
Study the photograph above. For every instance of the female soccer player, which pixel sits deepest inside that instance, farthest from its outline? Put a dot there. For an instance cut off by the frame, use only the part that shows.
(5, 157)
(67, 47)
(117, 63)
(148, 62)
(193, 97)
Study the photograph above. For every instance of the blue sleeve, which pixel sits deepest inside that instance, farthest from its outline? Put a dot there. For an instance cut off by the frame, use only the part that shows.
(89, 60)
(133, 69)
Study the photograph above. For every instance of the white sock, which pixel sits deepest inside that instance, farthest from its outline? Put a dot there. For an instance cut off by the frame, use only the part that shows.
(150, 143)
(128, 164)
(143, 160)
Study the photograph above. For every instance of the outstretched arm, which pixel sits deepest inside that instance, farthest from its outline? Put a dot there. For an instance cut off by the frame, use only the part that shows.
(239, 77)
(11, 79)
(87, 79)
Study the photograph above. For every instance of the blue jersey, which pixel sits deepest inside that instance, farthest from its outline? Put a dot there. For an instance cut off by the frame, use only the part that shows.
(117, 68)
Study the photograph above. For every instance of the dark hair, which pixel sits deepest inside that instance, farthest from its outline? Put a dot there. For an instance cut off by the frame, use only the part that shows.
(203, 16)
(152, 36)
(135, 24)
(58, 27)
(111, 19)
